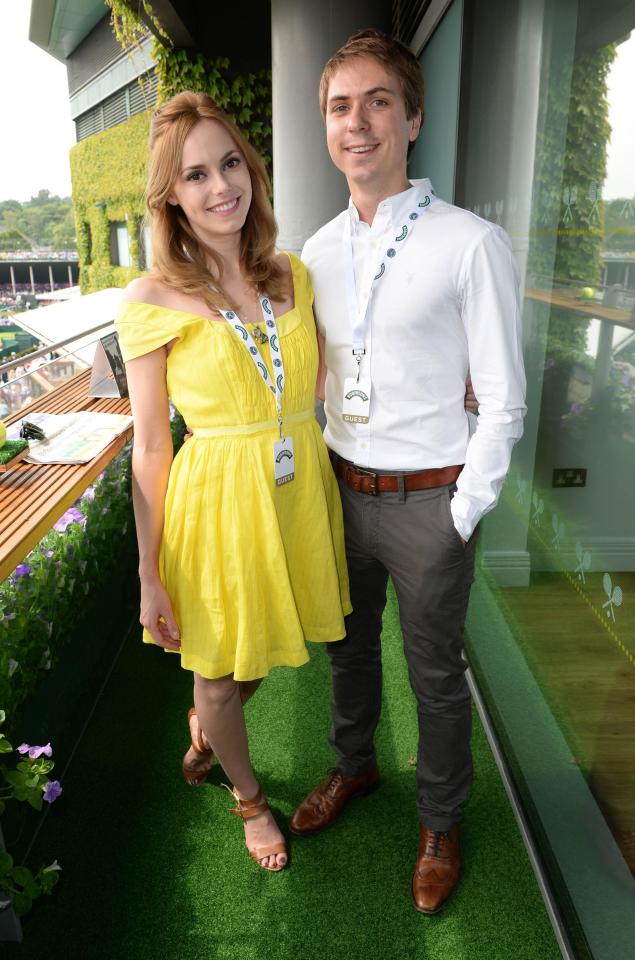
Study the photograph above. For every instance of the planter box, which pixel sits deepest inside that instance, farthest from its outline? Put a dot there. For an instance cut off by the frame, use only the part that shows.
(61, 707)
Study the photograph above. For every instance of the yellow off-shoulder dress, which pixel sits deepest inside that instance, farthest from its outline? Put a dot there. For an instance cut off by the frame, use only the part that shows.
(253, 570)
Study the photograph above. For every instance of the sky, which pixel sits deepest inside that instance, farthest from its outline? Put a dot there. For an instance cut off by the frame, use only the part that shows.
(38, 131)
(36, 123)
(620, 180)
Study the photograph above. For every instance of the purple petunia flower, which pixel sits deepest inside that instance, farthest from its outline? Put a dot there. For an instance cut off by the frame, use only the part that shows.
(22, 570)
(89, 493)
(52, 791)
(35, 752)
(72, 515)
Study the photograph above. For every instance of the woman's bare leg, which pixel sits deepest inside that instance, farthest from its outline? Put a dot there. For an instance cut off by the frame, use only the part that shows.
(220, 711)
(201, 764)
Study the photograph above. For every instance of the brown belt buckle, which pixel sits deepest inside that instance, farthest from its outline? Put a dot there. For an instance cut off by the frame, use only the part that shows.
(373, 481)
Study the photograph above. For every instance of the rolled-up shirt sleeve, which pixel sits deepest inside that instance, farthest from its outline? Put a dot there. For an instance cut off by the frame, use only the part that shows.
(492, 320)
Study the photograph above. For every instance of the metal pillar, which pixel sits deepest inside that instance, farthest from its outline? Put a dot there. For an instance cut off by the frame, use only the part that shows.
(32, 279)
(13, 291)
(70, 275)
(308, 190)
(51, 278)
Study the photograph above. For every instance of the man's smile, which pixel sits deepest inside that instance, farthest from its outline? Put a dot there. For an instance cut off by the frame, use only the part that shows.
(362, 148)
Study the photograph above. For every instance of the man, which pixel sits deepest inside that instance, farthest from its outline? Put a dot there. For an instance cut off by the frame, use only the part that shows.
(411, 295)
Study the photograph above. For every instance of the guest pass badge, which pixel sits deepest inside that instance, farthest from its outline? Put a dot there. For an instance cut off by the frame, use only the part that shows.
(356, 401)
(283, 458)
(283, 461)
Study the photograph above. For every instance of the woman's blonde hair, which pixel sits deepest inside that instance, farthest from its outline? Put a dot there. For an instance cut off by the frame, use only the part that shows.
(179, 257)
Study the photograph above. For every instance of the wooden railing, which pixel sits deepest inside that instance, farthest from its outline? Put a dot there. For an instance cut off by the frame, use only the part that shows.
(33, 496)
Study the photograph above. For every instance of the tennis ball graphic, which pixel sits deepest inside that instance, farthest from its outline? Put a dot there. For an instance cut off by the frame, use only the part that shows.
(587, 293)
(3, 433)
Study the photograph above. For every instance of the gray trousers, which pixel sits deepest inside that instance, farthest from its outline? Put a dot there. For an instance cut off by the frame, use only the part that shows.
(411, 538)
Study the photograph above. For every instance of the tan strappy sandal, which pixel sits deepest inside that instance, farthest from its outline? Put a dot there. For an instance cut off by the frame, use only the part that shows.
(246, 809)
(197, 777)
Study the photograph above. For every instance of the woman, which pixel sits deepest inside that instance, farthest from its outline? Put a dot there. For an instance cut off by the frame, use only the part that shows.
(241, 549)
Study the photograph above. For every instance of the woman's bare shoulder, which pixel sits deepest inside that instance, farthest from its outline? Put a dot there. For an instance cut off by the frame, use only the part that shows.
(148, 289)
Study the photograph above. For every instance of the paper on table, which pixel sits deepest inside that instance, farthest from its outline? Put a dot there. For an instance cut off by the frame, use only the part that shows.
(72, 437)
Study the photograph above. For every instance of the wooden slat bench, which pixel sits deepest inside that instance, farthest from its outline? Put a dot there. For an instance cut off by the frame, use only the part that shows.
(34, 496)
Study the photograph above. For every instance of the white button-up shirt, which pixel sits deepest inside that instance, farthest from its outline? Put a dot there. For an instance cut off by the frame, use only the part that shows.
(446, 307)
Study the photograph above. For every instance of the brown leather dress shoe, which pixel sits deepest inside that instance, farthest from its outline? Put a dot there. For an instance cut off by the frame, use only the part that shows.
(324, 804)
(437, 869)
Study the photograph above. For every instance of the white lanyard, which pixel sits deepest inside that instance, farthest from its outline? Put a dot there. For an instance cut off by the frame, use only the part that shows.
(358, 314)
(277, 384)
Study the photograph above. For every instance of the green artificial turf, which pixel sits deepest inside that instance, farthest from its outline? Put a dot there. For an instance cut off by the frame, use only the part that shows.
(10, 449)
(154, 870)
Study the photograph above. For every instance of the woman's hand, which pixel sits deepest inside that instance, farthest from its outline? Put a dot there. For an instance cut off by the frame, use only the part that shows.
(157, 616)
(470, 401)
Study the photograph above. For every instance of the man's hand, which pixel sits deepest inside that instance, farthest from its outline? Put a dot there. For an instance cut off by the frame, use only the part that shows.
(470, 401)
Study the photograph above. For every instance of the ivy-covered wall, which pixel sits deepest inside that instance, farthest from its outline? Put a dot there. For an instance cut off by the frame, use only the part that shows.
(108, 172)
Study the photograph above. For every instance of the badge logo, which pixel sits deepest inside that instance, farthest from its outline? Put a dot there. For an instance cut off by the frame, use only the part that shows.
(357, 393)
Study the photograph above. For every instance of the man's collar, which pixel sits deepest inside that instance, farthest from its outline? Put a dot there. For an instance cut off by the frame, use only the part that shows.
(398, 206)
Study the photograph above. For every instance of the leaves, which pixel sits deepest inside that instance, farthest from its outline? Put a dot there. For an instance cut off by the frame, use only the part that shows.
(22, 903)
(42, 613)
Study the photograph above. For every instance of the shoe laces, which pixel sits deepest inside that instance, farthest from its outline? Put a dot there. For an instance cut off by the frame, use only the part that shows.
(334, 781)
(436, 843)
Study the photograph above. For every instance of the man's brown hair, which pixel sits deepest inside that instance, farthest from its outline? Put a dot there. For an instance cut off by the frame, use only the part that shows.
(391, 54)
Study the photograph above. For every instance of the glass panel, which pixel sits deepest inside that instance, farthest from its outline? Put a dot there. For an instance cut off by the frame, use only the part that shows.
(549, 134)
(435, 153)
(23, 387)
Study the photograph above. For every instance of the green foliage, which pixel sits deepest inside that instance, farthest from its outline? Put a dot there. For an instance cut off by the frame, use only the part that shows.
(246, 98)
(619, 225)
(43, 221)
(45, 597)
(567, 231)
(570, 174)
(12, 239)
(109, 175)
(27, 782)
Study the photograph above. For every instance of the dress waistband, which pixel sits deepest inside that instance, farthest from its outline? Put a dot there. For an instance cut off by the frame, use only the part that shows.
(246, 429)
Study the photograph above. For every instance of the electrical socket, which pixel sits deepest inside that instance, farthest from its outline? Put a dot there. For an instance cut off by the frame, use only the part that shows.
(569, 477)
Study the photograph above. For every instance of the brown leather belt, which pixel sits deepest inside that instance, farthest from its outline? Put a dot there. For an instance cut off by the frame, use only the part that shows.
(367, 481)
